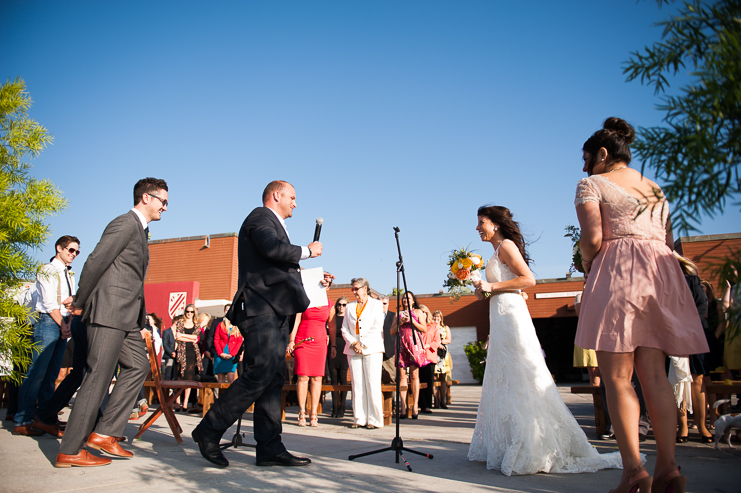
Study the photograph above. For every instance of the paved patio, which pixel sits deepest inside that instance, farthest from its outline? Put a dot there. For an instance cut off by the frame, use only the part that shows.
(161, 465)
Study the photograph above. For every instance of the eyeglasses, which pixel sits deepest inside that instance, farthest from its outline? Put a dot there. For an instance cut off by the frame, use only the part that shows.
(164, 202)
(73, 251)
(356, 289)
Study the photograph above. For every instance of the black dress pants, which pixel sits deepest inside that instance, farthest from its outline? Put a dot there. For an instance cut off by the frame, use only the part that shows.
(261, 383)
(426, 375)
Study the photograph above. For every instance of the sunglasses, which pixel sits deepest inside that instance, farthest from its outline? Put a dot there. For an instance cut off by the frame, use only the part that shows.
(190, 311)
(343, 304)
(73, 251)
(164, 202)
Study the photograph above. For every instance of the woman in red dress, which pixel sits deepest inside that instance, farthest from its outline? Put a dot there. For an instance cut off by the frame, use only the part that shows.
(310, 355)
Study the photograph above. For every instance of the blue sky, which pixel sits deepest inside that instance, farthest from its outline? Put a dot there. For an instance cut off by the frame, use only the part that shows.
(382, 114)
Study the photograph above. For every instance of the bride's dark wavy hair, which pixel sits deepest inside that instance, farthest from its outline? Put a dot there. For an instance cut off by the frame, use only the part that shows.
(502, 217)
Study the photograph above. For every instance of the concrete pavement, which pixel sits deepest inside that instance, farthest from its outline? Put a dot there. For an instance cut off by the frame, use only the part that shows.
(161, 465)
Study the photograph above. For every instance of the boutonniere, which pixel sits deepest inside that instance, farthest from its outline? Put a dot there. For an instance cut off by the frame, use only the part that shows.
(71, 273)
(149, 235)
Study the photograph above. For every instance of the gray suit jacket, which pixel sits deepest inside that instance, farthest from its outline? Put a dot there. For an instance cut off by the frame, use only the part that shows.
(111, 289)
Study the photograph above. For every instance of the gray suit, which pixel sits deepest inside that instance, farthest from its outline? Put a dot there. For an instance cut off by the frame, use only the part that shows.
(111, 292)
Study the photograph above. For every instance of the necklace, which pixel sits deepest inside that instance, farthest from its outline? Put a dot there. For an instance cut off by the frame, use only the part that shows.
(621, 167)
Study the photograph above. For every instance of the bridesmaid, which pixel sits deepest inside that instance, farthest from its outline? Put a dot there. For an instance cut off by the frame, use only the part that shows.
(636, 307)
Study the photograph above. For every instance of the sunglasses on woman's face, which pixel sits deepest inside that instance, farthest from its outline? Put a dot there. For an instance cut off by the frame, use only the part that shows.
(343, 304)
(190, 311)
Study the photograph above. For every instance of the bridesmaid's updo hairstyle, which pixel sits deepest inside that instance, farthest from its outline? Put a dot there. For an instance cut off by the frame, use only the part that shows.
(616, 136)
(502, 217)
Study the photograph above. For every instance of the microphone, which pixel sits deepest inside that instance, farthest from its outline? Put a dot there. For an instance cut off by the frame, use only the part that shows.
(318, 229)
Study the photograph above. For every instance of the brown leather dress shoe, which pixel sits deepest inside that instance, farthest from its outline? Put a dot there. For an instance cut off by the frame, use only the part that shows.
(53, 430)
(83, 459)
(27, 430)
(108, 445)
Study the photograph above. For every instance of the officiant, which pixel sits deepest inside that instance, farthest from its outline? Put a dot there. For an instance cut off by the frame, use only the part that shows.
(269, 294)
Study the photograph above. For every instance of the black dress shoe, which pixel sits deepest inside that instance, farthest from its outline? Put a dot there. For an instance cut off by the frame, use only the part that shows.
(210, 451)
(284, 459)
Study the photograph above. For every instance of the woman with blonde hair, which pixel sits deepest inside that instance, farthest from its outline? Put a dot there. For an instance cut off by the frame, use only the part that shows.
(227, 342)
(444, 367)
(188, 353)
(431, 340)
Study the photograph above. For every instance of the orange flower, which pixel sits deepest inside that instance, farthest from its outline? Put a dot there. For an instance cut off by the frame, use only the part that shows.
(462, 274)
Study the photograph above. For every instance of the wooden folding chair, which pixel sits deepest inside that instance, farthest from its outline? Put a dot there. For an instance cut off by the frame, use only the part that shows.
(160, 387)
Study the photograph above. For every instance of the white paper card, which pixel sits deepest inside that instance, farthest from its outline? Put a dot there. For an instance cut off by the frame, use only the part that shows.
(311, 278)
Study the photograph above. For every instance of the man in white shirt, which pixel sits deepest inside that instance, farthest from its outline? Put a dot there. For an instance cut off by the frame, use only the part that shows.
(55, 286)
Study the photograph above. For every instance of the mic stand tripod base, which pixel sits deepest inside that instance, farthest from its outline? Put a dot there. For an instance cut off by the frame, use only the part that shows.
(237, 439)
(397, 445)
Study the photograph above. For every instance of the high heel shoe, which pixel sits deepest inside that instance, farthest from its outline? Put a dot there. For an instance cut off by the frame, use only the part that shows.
(708, 439)
(302, 418)
(313, 421)
(673, 485)
(683, 439)
(643, 485)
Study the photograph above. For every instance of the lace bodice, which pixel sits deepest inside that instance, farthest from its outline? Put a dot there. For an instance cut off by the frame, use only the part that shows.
(496, 270)
(619, 208)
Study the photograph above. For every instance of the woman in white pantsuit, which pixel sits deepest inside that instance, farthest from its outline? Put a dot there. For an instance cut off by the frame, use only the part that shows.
(363, 331)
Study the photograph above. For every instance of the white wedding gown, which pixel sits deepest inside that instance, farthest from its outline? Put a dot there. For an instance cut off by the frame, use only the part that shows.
(523, 425)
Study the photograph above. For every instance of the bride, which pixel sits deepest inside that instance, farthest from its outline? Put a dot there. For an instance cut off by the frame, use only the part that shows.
(523, 425)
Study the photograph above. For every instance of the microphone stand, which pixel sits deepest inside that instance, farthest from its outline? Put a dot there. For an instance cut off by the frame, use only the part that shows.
(397, 444)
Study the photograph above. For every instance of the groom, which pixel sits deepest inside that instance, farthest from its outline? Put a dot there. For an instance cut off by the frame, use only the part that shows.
(269, 295)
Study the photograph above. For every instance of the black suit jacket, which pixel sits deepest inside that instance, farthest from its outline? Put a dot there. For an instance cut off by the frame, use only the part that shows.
(269, 275)
(389, 341)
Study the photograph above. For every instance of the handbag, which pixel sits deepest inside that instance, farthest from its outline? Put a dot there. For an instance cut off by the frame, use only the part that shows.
(442, 351)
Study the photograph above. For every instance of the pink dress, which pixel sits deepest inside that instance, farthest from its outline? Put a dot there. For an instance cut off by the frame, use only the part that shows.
(636, 294)
(311, 356)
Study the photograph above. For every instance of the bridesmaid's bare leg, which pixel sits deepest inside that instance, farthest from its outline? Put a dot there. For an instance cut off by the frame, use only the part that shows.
(650, 365)
(414, 370)
(616, 370)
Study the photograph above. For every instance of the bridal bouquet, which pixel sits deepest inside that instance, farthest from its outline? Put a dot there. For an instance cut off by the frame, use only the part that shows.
(465, 269)
(575, 234)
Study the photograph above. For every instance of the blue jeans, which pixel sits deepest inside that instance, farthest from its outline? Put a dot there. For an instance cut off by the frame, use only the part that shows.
(48, 413)
(38, 384)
